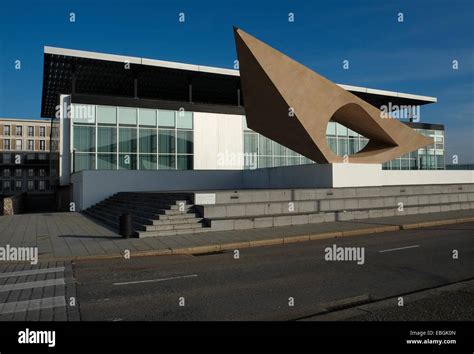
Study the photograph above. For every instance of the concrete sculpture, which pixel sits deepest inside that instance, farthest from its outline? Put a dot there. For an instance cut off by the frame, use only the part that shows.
(292, 105)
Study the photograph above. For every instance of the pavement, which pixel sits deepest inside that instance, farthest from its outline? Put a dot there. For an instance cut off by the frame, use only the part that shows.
(41, 292)
(72, 236)
(285, 282)
(453, 302)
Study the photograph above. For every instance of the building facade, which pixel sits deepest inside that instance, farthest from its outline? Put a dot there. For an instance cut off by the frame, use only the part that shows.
(24, 156)
(113, 112)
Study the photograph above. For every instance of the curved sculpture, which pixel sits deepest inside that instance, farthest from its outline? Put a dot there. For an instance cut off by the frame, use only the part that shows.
(292, 105)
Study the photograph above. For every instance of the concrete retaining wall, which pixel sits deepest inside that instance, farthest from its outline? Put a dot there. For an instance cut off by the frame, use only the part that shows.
(390, 177)
(90, 187)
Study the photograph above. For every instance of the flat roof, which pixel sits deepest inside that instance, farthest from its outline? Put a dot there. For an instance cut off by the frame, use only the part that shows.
(140, 61)
(103, 74)
(33, 120)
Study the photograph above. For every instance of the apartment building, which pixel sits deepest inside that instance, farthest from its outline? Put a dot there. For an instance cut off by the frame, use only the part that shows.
(25, 156)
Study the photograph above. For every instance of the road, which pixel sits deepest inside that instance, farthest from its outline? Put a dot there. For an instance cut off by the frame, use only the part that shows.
(259, 285)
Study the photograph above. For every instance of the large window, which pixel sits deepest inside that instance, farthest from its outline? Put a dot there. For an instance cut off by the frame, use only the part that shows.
(106, 161)
(128, 140)
(148, 141)
(84, 138)
(106, 139)
(134, 138)
(260, 152)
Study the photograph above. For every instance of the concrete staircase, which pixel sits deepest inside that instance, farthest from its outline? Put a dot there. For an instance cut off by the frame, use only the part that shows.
(237, 210)
(173, 213)
(153, 214)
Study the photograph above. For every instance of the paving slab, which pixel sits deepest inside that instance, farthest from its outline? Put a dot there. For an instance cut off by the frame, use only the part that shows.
(66, 236)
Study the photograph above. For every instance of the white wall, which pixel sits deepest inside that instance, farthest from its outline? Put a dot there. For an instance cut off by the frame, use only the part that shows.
(356, 175)
(93, 186)
(218, 141)
(391, 177)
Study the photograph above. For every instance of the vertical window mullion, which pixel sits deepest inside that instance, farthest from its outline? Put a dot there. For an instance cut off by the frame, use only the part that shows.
(96, 148)
(117, 163)
(157, 137)
(176, 140)
(137, 112)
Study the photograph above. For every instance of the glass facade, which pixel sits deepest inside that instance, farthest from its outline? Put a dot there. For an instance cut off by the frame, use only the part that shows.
(429, 158)
(343, 142)
(260, 152)
(111, 138)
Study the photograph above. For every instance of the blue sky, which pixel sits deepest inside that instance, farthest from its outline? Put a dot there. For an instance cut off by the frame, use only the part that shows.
(413, 56)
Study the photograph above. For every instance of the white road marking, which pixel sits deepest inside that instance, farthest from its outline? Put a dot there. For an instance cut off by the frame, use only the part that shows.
(32, 284)
(31, 305)
(156, 280)
(398, 249)
(21, 273)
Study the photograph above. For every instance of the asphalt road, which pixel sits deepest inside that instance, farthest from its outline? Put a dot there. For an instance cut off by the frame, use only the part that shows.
(457, 305)
(258, 285)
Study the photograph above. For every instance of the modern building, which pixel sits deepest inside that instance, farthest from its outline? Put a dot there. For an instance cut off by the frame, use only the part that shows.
(143, 114)
(24, 156)
(140, 136)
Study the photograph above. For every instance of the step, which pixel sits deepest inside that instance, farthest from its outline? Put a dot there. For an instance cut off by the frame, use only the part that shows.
(134, 212)
(282, 195)
(109, 218)
(146, 203)
(112, 221)
(154, 198)
(136, 221)
(271, 208)
(197, 225)
(143, 221)
(146, 213)
(176, 195)
(178, 216)
(142, 234)
(151, 205)
(103, 219)
(176, 221)
(239, 223)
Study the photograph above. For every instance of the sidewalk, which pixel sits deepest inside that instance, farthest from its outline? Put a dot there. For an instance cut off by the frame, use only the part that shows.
(452, 302)
(67, 236)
